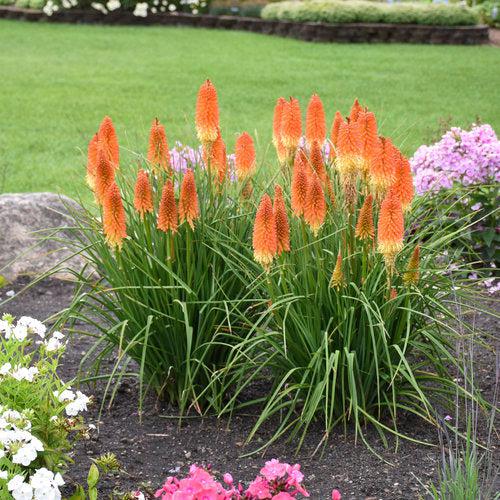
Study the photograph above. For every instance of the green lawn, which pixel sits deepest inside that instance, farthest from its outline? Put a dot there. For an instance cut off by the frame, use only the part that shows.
(57, 81)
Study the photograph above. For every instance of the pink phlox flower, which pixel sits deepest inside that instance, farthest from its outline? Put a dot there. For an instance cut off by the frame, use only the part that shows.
(336, 495)
(259, 489)
(274, 469)
(283, 495)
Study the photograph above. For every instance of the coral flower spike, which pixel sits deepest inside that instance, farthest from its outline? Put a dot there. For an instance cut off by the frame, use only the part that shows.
(315, 122)
(143, 197)
(364, 226)
(337, 279)
(317, 163)
(167, 212)
(104, 175)
(265, 241)
(281, 218)
(244, 156)
(349, 148)
(403, 184)
(92, 154)
(383, 168)
(207, 114)
(113, 217)
(412, 274)
(109, 141)
(369, 138)
(158, 153)
(390, 229)
(315, 207)
(356, 109)
(334, 134)
(188, 201)
(277, 119)
(291, 126)
(300, 185)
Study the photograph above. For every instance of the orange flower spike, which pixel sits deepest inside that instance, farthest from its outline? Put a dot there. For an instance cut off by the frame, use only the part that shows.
(330, 191)
(215, 158)
(143, 196)
(403, 183)
(207, 113)
(337, 279)
(300, 185)
(315, 207)
(393, 294)
(369, 138)
(277, 120)
(113, 217)
(291, 125)
(109, 141)
(349, 148)
(390, 229)
(364, 226)
(158, 153)
(265, 241)
(104, 175)
(167, 212)
(382, 168)
(221, 161)
(356, 109)
(412, 274)
(188, 200)
(92, 154)
(281, 218)
(316, 160)
(334, 134)
(315, 121)
(244, 156)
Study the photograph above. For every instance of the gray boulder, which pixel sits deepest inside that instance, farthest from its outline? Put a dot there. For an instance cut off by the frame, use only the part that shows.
(26, 220)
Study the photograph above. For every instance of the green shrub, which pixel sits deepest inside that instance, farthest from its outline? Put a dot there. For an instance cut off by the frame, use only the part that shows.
(373, 12)
(489, 13)
(7, 2)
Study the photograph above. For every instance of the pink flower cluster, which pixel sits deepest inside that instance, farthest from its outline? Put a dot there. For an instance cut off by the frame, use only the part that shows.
(463, 156)
(278, 481)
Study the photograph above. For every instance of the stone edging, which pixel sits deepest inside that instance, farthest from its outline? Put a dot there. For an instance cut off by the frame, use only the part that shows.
(314, 32)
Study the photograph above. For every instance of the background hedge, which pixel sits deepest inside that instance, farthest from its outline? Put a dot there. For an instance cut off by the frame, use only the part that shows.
(336, 11)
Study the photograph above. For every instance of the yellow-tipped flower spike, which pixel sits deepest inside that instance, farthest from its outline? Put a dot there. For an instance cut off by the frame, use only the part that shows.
(113, 217)
(265, 241)
(281, 218)
(364, 226)
(315, 207)
(337, 279)
(390, 229)
(412, 274)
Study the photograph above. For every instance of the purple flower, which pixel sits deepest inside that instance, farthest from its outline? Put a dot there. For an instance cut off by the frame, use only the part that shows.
(461, 156)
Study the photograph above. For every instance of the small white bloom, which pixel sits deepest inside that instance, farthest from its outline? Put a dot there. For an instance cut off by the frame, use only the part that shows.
(195, 11)
(20, 332)
(22, 373)
(154, 10)
(24, 492)
(66, 4)
(113, 5)
(15, 482)
(5, 369)
(99, 6)
(10, 293)
(3, 473)
(25, 455)
(172, 7)
(66, 395)
(78, 405)
(141, 9)
(6, 328)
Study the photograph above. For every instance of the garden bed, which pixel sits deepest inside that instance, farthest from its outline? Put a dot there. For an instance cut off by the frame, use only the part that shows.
(314, 32)
(157, 447)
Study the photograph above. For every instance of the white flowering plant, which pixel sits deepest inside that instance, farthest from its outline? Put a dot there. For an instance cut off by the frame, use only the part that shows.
(40, 415)
(138, 8)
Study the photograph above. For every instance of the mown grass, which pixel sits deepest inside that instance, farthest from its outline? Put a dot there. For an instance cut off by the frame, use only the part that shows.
(57, 81)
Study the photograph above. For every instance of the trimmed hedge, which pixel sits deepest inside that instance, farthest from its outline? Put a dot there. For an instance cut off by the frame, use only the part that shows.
(359, 11)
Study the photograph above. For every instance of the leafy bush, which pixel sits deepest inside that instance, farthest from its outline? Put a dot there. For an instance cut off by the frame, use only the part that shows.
(489, 12)
(38, 412)
(168, 296)
(467, 163)
(334, 11)
(354, 334)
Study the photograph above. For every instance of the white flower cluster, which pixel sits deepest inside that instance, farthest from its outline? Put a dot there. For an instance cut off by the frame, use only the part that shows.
(27, 326)
(24, 327)
(42, 485)
(16, 440)
(77, 402)
(18, 372)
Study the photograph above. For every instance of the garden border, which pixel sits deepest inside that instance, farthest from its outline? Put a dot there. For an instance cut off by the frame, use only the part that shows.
(313, 32)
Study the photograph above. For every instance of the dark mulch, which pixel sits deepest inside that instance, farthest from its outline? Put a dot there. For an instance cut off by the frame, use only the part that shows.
(154, 448)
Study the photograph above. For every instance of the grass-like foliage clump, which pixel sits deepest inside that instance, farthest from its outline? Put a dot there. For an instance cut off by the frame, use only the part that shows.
(345, 308)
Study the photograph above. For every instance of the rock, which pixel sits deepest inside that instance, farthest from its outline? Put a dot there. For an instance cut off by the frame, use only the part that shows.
(26, 222)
